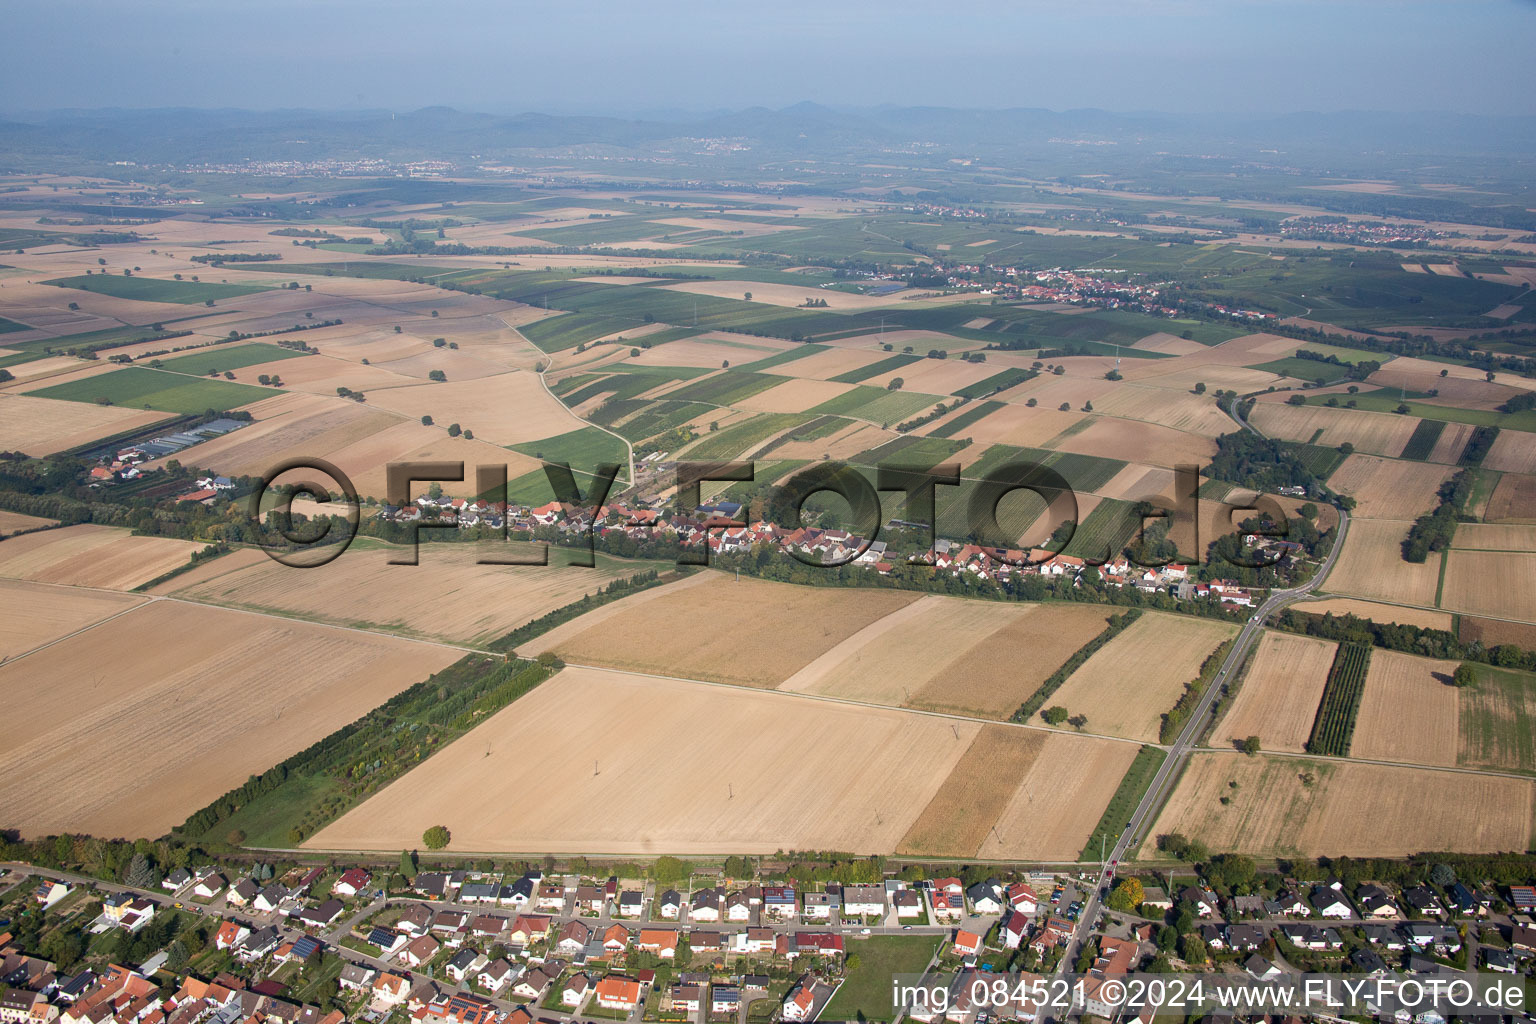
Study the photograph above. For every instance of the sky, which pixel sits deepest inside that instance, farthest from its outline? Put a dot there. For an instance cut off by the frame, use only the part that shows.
(631, 59)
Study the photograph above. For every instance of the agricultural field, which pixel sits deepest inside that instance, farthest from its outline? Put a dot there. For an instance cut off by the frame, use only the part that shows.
(38, 613)
(1493, 584)
(1424, 618)
(229, 357)
(959, 818)
(1371, 566)
(1127, 685)
(749, 632)
(1060, 801)
(1389, 488)
(60, 776)
(1494, 632)
(139, 387)
(1338, 711)
(1370, 432)
(1281, 806)
(859, 775)
(447, 596)
(43, 426)
(1513, 452)
(1498, 721)
(87, 555)
(953, 655)
(1513, 499)
(1409, 711)
(505, 409)
(15, 522)
(149, 289)
(1494, 537)
(1278, 699)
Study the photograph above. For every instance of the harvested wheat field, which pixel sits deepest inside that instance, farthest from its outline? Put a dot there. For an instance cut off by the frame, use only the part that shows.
(1128, 684)
(1389, 489)
(934, 376)
(447, 596)
(92, 556)
(823, 365)
(794, 395)
(791, 295)
(1371, 566)
(1348, 810)
(1513, 452)
(37, 613)
(1453, 438)
(1180, 410)
(746, 631)
(953, 655)
(1494, 584)
(1009, 664)
(1057, 805)
(1513, 499)
(1136, 482)
(1132, 441)
(42, 426)
(678, 767)
(1408, 712)
(1017, 425)
(232, 696)
(888, 659)
(1376, 433)
(15, 522)
(1423, 618)
(1279, 696)
(959, 818)
(1494, 537)
(506, 409)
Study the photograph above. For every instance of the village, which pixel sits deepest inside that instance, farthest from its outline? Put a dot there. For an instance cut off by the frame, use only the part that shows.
(486, 947)
(716, 527)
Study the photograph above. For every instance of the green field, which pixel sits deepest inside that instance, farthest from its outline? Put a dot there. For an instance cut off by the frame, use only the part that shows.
(11, 326)
(1107, 529)
(1423, 440)
(955, 424)
(725, 388)
(583, 448)
(139, 387)
(1497, 720)
(875, 369)
(152, 289)
(789, 355)
(228, 357)
(559, 333)
(1120, 807)
(735, 440)
(997, 382)
(878, 405)
(866, 991)
(1334, 727)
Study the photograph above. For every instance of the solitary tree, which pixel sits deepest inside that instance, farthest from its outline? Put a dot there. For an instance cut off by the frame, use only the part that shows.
(1054, 715)
(454, 430)
(896, 384)
(1078, 722)
(1465, 675)
(1200, 387)
(1249, 746)
(437, 375)
(407, 865)
(426, 421)
(436, 837)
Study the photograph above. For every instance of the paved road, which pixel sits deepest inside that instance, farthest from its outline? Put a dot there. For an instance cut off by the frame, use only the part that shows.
(1178, 754)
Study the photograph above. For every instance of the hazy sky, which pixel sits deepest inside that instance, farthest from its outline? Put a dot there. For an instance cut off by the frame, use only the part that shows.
(629, 57)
